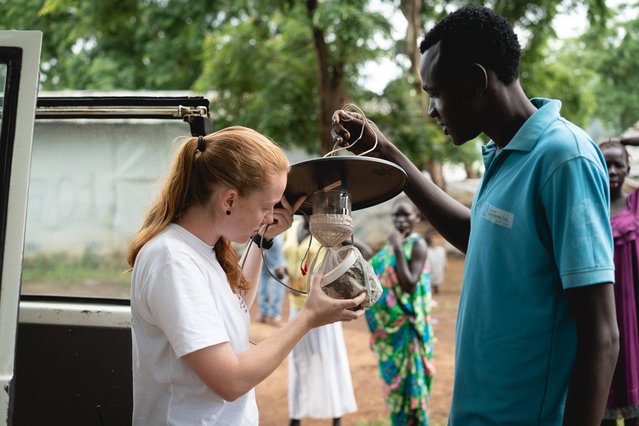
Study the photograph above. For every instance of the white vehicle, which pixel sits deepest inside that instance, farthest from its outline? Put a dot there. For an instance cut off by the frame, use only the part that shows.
(77, 174)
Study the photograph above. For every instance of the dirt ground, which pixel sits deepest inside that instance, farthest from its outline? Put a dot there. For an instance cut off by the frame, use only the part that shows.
(272, 393)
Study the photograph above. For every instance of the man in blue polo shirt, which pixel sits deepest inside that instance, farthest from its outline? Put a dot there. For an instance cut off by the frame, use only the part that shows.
(537, 337)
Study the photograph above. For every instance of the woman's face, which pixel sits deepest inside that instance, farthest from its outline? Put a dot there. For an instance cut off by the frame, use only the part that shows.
(404, 217)
(255, 209)
(618, 166)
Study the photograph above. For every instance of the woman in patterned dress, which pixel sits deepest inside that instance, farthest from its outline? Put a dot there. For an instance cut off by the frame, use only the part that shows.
(402, 337)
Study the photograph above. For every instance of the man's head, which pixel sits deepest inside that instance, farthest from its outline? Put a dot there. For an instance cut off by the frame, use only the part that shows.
(475, 35)
(467, 53)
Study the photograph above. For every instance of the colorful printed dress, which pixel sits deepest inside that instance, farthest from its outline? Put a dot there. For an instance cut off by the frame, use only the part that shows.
(402, 338)
(623, 400)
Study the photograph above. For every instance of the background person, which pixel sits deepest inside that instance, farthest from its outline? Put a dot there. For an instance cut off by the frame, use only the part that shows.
(401, 333)
(623, 400)
(271, 292)
(190, 300)
(537, 337)
(438, 260)
(319, 375)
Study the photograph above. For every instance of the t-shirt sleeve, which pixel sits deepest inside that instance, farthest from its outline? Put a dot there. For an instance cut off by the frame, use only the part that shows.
(576, 200)
(182, 306)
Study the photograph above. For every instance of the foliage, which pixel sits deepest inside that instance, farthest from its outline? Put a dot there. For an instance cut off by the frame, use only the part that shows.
(282, 66)
(273, 72)
(617, 86)
(108, 45)
(270, 85)
(558, 78)
(418, 137)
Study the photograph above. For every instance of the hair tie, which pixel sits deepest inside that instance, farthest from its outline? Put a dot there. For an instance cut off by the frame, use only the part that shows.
(201, 143)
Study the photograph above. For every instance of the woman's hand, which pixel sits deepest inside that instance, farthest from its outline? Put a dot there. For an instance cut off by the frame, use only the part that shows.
(395, 238)
(282, 217)
(320, 309)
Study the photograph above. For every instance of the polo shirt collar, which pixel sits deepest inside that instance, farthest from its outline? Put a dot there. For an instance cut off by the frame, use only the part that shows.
(527, 136)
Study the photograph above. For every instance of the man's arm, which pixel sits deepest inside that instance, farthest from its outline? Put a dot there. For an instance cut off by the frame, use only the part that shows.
(450, 217)
(597, 348)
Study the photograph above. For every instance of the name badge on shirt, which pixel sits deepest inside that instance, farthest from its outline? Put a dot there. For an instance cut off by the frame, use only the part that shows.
(498, 216)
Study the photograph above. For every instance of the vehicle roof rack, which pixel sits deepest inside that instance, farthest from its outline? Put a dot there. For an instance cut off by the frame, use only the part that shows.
(192, 109)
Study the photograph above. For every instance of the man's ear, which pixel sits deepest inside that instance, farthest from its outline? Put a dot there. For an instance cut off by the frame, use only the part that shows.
(478, 78)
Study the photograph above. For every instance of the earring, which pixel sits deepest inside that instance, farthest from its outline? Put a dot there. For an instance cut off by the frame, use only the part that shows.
(228, 212)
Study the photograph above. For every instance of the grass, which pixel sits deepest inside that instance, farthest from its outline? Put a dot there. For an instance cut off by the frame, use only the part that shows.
(65, 270)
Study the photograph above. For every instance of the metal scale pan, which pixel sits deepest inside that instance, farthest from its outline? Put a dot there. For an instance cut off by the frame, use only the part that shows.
(368, 180)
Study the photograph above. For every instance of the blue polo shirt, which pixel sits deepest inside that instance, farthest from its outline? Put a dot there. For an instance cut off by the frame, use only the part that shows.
(539, 225)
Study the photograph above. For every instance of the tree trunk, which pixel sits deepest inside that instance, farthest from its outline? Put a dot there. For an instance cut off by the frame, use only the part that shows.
(436, 171)
(470, 173)
(411, 10)
(330, 82)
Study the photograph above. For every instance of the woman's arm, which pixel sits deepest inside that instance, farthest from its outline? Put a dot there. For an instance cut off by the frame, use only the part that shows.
(624, 140)
(409, 272)
(232, 375)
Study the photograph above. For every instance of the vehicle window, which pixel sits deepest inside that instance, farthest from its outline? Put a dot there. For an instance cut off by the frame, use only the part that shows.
(91, 181)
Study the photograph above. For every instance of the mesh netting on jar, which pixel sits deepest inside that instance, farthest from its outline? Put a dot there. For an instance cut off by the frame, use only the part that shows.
(346, 274)
(331, 229)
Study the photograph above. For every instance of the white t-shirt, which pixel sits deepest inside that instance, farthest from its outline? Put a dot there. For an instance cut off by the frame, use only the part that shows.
(181, 301)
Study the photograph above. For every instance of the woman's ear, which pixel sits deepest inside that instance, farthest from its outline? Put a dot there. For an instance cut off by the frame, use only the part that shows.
(478, 77)
(227, 199)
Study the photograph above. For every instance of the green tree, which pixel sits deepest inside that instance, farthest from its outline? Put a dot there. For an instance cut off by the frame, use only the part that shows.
(283, 66)
(540, 77)
(617, 81)
(287, 71)
(106, 44)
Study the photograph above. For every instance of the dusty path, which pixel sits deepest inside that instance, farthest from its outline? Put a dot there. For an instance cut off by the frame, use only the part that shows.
(272, 393)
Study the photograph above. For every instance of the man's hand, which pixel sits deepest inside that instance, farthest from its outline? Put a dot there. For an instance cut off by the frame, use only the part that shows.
(282, 217)
(347, 132)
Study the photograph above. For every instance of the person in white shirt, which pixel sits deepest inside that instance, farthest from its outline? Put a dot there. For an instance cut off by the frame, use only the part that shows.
(438, 261)
(191, 295)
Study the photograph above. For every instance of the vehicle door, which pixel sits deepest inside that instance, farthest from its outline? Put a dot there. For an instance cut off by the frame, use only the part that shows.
(19, 65)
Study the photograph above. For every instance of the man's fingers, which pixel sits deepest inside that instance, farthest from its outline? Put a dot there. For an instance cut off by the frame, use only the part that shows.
(298, 203)
(285, 203)
(340, 135)
(339, 131)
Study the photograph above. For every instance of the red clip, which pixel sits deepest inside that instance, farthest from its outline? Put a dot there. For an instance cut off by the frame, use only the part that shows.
(304, 269)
